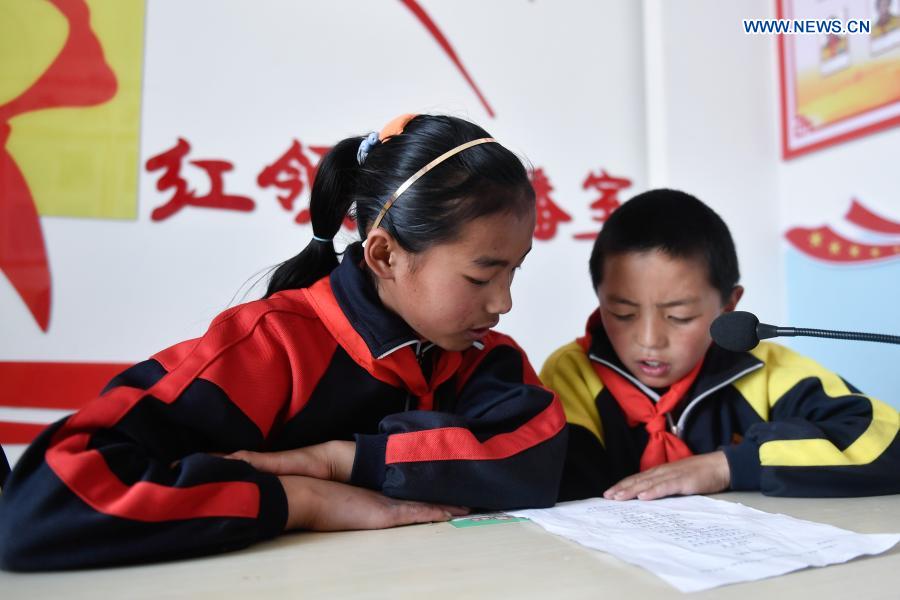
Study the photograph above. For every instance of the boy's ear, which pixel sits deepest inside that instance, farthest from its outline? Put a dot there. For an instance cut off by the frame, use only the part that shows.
(379, 253)
(734, 298)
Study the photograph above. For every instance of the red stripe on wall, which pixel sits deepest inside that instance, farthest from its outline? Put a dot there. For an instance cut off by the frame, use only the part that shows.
(19, 433)
(61, 385)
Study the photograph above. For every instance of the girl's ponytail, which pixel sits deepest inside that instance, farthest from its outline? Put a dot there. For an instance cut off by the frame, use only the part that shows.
(330, 199)
(446, 172)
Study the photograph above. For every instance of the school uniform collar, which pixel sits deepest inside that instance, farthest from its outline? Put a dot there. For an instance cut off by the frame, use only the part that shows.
(372, 336)
(383, 331)
(720, 367)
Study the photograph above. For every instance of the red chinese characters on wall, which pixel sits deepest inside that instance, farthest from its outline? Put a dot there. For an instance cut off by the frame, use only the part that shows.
(170, 162)
(292, 175)
(549, 214)
(609, 187)
(294, 172)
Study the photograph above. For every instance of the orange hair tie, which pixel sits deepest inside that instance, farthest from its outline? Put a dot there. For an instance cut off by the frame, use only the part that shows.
(395, 126)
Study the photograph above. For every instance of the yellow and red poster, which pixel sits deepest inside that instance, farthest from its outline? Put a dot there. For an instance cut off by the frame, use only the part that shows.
(838, 86)
(70, 92)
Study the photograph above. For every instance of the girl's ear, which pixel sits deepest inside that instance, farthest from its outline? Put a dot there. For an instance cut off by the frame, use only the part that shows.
(734, 298)
(380, 252)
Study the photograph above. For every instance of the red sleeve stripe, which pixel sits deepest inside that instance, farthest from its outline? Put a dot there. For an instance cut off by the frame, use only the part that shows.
(87, 475)
(457, 443)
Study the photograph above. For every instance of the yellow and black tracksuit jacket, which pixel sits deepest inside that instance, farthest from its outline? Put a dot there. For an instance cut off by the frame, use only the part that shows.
(788, 426)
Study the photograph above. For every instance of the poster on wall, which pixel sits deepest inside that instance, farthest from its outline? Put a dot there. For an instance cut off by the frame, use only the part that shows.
(838, 86)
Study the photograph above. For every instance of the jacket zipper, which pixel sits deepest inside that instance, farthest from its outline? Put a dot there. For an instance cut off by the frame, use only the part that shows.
(679, 428)
(420, 354)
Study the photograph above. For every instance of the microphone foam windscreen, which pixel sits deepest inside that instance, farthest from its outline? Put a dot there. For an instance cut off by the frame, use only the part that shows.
(735, 331)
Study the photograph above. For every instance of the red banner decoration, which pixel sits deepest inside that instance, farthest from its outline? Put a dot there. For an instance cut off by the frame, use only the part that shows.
(824, 243)
(48, 385)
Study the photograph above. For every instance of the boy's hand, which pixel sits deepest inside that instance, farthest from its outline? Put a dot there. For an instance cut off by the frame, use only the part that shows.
(320, 505)
(331, 460)
(702, 474)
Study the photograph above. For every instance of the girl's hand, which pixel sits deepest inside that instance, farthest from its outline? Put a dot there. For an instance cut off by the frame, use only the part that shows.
(330, 460)
(701, 474)
(320, 505)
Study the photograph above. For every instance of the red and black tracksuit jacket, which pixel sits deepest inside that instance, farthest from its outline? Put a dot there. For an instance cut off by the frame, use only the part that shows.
(133, 475)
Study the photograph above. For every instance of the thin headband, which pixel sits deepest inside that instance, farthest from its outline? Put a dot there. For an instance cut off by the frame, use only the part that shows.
(405, 185)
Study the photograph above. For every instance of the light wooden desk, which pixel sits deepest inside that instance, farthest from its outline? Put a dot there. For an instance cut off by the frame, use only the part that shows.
(510, 560)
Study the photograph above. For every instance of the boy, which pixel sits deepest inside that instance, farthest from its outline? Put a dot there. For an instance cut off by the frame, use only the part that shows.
(655, 409)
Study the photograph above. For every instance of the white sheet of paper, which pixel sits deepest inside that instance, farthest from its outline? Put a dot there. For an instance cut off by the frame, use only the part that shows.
(696, 543)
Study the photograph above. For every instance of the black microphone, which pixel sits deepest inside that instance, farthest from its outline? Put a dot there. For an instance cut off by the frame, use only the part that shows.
(740, 331)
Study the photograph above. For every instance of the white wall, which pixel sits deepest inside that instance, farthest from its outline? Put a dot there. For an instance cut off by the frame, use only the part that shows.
(714, 89)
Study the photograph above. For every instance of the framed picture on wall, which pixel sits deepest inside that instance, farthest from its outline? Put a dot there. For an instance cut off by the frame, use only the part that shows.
(837, 86)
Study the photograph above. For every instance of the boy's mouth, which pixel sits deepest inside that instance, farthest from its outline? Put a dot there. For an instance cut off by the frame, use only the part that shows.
(654, 368)
(479, 332)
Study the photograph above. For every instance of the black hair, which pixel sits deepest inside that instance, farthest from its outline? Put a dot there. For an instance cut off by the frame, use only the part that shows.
(675, 223)
(482, 180)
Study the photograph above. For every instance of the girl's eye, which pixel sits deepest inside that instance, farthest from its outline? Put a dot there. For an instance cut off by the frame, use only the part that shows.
(474, 281)
(619, 317)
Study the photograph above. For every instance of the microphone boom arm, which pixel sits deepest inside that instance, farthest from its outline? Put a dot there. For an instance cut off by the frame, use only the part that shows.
(765, 331)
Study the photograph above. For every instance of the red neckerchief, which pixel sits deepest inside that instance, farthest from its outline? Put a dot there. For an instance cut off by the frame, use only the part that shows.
(662, 445)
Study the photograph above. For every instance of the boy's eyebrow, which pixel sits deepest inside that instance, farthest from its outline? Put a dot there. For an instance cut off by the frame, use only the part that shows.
(670, 304)
(679, 302)
(487, 262)
(621, 300)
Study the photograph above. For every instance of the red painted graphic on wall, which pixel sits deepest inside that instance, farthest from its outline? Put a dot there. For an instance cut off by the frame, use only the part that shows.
(79, 76)
(170, 163)
(609, 187)
(824, 243)
(295, 172)
(38, 386)
(549, 214)
(444, 43)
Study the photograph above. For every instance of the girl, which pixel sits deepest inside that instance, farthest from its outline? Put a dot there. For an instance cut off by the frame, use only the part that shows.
(365, 394)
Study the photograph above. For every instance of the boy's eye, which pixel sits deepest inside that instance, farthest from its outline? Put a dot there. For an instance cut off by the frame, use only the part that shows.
(618, 317)
(681, 320)
(474, 281)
